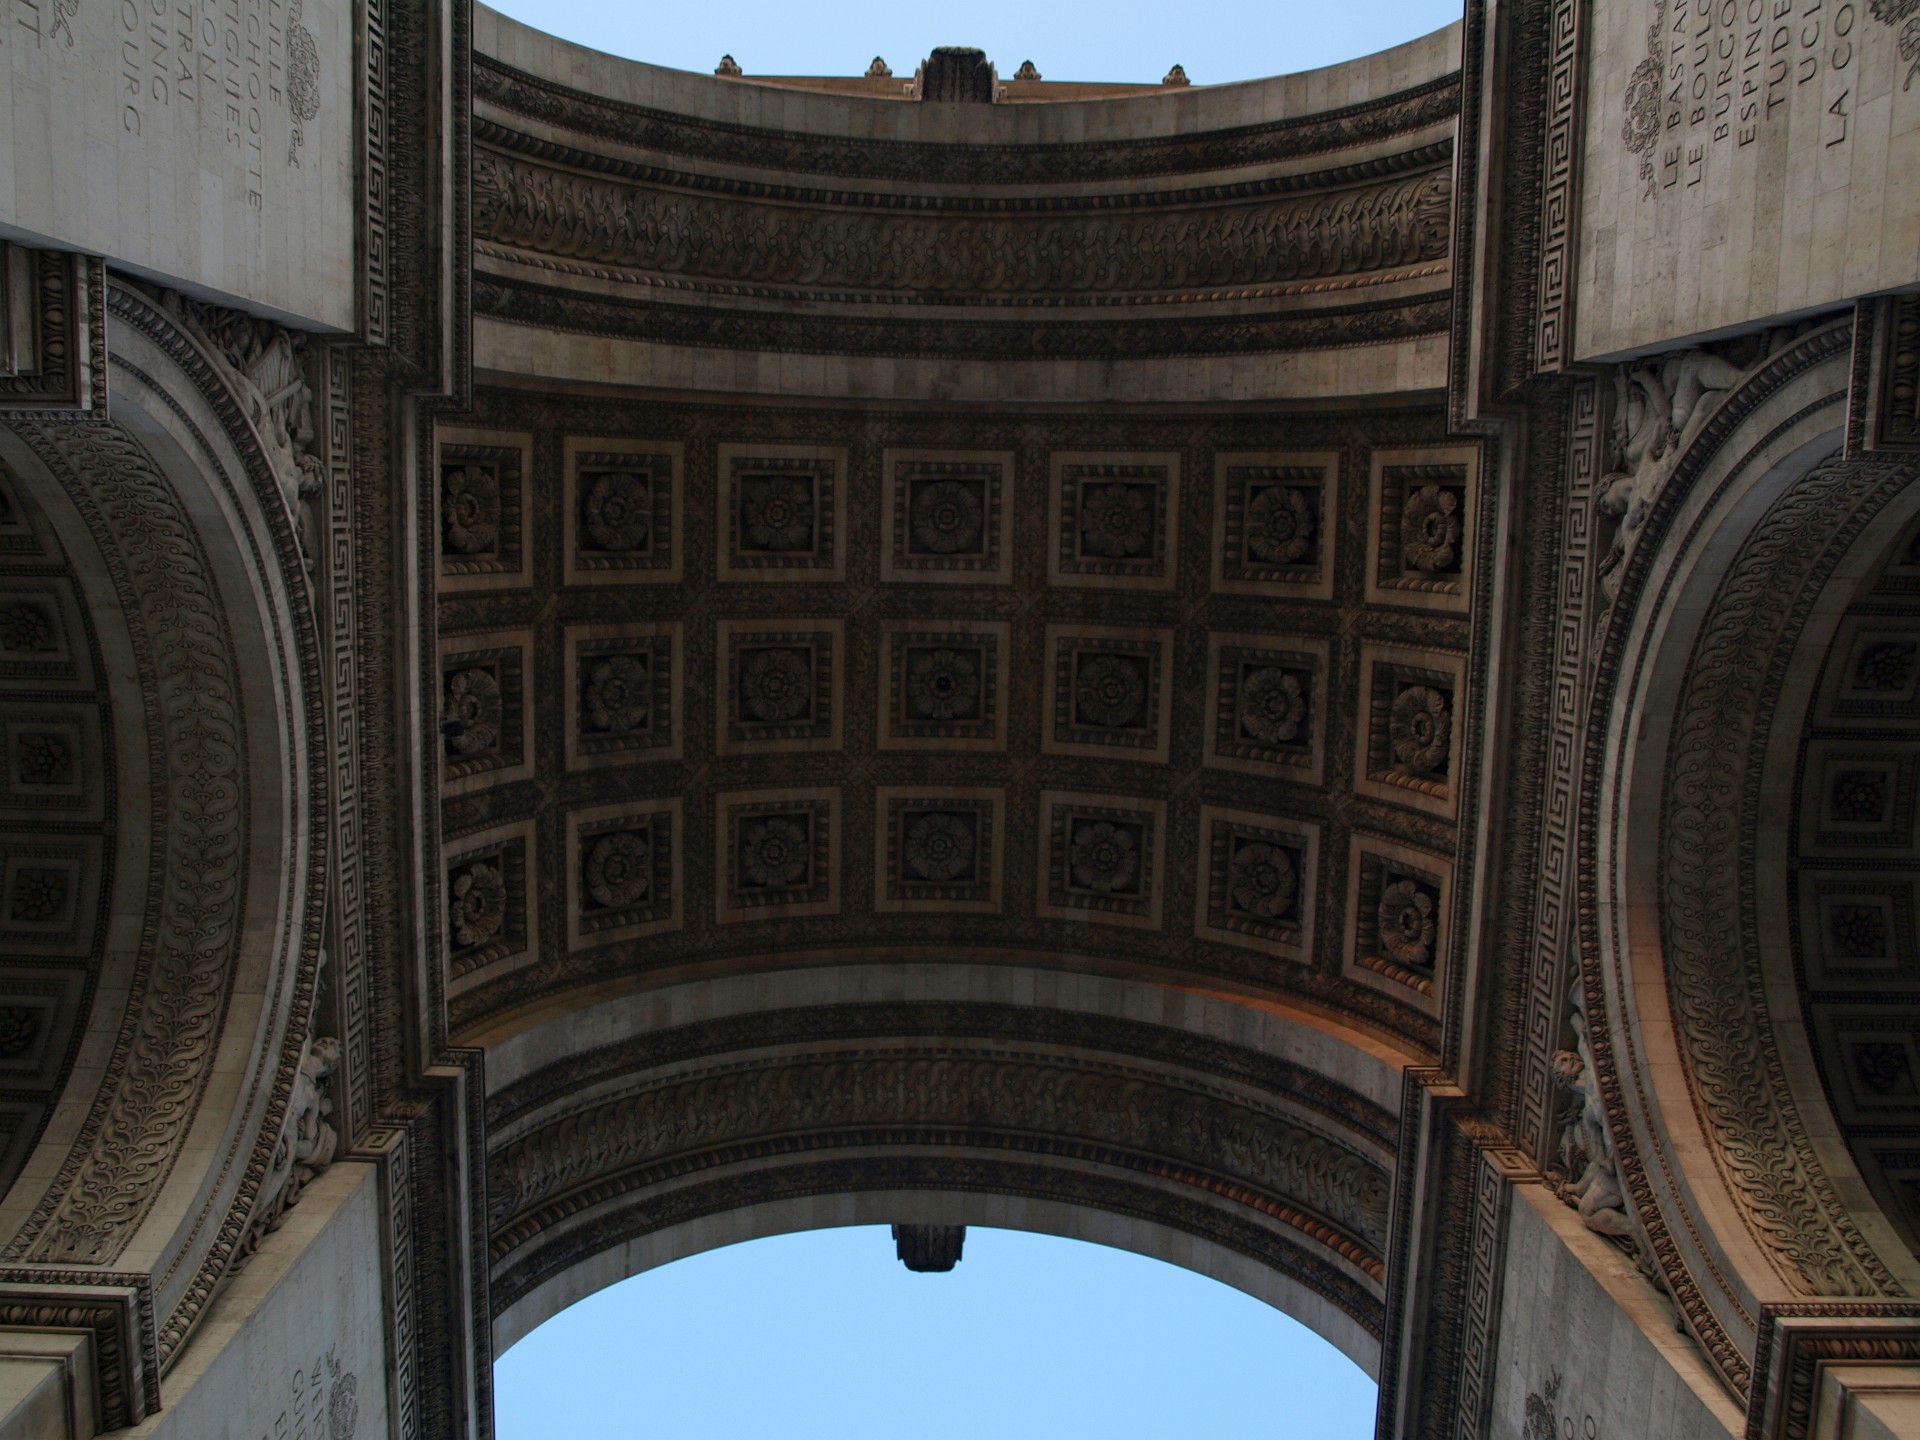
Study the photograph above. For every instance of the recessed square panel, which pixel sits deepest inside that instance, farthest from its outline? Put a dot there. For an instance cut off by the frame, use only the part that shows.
(1410, 706)
(941, 685)
(1421, 527)
(483, 520)
(1112, 695)
(485, 724)
(490, 907)
(1265, 705)
(621, 511)
(940, 849)
(1275, 520)
(944, 516)
(777, 685)
(1102, 858)
(1259, 874)
(782, 512)
(623, 688)
(623, 872)
(779, 854)
(1114, 520)
(1398, 918)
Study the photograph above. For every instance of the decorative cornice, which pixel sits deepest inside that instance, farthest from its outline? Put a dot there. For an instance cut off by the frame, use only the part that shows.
(991, 1099)
(642, 128)
(949, 1022)
(1244, 1232)
(520, 302)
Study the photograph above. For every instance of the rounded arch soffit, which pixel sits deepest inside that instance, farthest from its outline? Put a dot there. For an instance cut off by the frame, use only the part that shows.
(1247, 1145)
(1726, 1145)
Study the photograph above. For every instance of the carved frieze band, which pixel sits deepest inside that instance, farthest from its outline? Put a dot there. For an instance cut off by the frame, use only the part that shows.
(1246, 1230)
(1883, 400)
(995, 1100)
(732, 245)
(153, 1082)
(1559, 190)
(346, 902)
(500, 86)
(1553, 960)
(1712, 945)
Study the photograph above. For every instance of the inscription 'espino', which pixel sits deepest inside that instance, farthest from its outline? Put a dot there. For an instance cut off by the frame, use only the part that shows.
(1718, 72)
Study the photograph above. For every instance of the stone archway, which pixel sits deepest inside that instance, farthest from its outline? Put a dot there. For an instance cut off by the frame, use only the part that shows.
(159, 1167)
(1257, 1148)
(1746, 1205)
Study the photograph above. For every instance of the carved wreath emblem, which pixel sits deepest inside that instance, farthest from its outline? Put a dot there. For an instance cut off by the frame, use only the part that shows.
(940, 846)
(1420, 727)
(479, 904)
(619, 870)
(1103, 856)
(777, 686)
(948, 518)
(775, 853)
(1262, 880)
(1431, 529)
(1406, 923)
(1279, 525)
(616, 698)
(1116, 520)
(1272, 705)
(942, 684)
(1111, 692)
(474, 710)
(778, 512)
(618, 511)
(470, 509)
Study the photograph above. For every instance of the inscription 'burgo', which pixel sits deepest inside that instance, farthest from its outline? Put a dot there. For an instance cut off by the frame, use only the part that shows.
(1717, 72)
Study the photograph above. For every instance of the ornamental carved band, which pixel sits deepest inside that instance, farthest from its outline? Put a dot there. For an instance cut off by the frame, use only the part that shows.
(1708, 882)
(1126, 1109)
(163, 1056)
(1400, 222)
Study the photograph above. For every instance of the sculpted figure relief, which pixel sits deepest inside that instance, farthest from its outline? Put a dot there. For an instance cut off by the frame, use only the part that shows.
(1659, 406)
(1586, 1151)
(266, 365)
(306, 1143)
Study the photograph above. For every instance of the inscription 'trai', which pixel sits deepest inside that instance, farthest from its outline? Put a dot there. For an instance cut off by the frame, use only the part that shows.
(225, 59)
(1731, 64)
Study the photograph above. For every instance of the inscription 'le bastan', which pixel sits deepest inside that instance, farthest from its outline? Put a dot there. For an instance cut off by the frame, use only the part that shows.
(1718, 73)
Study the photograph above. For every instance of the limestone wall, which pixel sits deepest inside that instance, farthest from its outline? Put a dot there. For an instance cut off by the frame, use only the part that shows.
(208, 143)
(1744, 159)
(1585, 1350)
(295, 1349)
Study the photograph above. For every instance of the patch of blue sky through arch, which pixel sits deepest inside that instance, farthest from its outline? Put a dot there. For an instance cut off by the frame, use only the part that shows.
(824, 1335)
(1129, 41)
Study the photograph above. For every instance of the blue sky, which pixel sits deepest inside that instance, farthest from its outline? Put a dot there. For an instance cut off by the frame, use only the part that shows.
(1128, 40)
(826, 1336)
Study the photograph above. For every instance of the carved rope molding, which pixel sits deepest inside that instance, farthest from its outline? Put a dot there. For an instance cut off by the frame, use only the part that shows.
(555, 212)
(975, 1095)
(1711, 814)
(188, 944)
